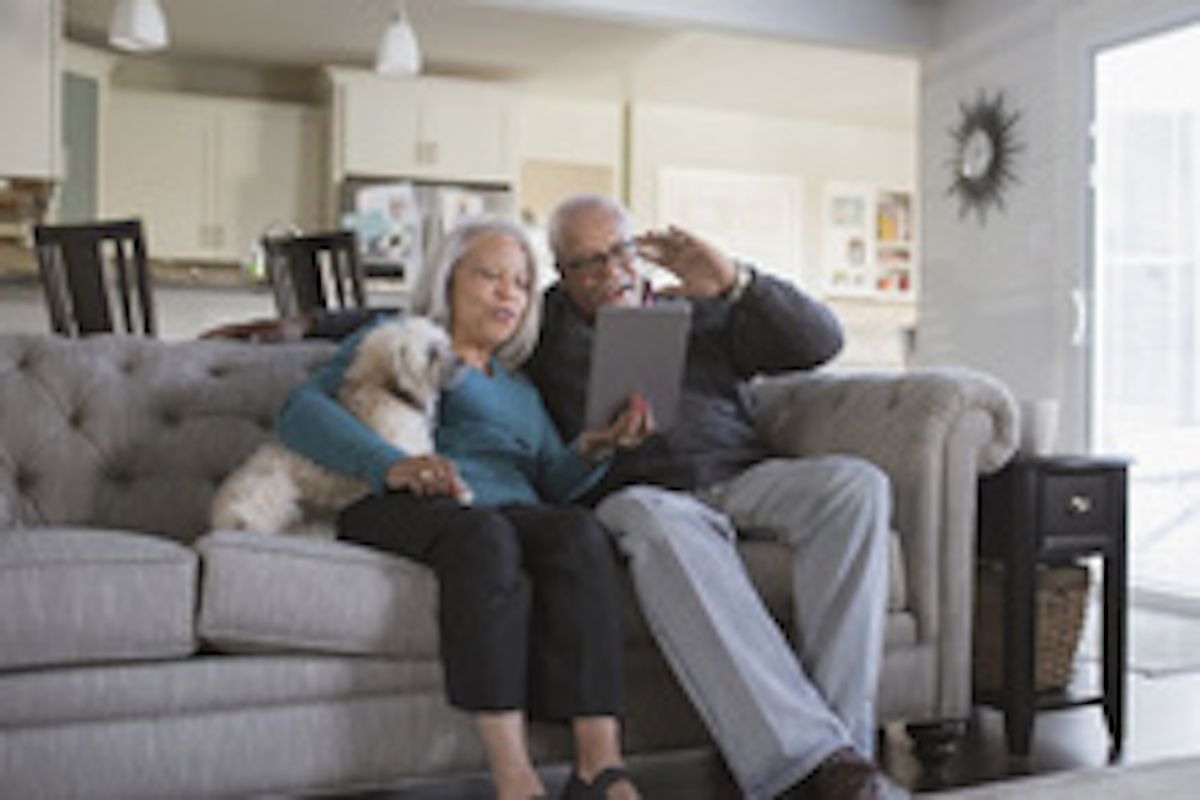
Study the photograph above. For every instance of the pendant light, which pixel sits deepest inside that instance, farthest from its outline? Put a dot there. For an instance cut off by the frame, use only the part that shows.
(138, 26)
(399, 54)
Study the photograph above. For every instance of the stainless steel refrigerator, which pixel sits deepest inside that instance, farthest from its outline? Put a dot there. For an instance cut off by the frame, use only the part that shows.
(399, 224)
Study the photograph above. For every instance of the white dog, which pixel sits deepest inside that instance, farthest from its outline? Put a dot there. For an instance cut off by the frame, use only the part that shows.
(392, 385)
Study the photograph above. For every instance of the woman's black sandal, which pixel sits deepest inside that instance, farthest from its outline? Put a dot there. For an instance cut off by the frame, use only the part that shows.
(578, 789)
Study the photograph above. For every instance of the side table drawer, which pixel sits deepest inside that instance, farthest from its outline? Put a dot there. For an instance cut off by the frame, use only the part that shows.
(1073, 505)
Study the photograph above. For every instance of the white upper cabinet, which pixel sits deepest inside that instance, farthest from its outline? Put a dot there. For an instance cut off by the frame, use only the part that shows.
(570, 131)
(271, 159)
(376, 122)
(157, 150)
(426, 128)
(29, 48)
(208, 174)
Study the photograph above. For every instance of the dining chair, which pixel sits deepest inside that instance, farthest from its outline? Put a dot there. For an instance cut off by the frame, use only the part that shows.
(85, 267)
(318, 271)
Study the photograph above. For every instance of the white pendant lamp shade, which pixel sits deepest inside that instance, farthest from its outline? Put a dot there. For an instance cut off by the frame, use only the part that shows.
(398, 51)
(138, 26)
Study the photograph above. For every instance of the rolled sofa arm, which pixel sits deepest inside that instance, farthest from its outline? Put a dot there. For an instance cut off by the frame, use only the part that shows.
(882, 416)
(933, 432)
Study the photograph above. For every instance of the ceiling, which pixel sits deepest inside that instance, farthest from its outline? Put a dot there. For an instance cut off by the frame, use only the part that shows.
(711, 52)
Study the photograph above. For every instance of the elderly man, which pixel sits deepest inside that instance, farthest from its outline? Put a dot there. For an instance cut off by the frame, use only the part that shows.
(790, 723)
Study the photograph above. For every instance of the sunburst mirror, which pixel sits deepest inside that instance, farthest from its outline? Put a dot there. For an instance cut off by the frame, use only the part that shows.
(985, 149)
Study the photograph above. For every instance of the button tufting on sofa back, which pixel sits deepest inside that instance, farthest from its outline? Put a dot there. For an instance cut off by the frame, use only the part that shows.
(124, 432)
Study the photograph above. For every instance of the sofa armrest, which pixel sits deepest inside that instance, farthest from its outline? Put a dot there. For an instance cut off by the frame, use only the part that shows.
(933, 432)
(878, 416)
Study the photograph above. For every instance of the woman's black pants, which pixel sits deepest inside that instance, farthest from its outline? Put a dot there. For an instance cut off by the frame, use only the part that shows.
(552, 649)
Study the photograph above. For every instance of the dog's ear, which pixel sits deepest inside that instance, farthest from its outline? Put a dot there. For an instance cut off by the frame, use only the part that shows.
(373, 360)
(409, 365)
(437, 354)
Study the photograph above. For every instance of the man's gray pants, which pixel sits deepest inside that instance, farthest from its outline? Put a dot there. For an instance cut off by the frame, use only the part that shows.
(774, 712)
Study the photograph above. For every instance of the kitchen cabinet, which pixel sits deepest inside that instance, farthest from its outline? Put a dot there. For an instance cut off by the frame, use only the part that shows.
(29, 90)
(207, 174)
(566, 147)
(437, 129)
(569, 131)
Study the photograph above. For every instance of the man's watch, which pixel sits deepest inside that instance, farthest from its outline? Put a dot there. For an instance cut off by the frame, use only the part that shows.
(742, 278)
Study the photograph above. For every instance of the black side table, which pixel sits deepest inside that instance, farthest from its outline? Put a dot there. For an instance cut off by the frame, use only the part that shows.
(1055, 510)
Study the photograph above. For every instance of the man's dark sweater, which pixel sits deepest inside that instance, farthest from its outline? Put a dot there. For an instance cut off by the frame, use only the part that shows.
(772, 328)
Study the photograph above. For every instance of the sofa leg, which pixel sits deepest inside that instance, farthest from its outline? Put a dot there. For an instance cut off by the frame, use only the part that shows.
(934, 744)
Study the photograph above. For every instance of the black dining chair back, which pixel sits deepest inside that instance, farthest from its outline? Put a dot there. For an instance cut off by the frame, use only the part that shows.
(320, 271)
(87, 269)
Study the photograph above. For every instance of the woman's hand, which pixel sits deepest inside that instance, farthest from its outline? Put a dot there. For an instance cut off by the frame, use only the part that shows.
(629, 430)
(428, 475)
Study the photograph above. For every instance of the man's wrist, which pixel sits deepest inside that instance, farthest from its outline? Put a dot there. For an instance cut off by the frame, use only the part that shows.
(743, 276)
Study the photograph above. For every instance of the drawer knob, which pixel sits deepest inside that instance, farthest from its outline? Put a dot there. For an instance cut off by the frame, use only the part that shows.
(1079, 504)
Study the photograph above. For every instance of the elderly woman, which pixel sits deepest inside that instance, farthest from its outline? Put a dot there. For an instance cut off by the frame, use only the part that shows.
(554, 653)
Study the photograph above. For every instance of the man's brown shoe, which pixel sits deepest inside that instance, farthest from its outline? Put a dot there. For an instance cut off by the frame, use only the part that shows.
(843, 775)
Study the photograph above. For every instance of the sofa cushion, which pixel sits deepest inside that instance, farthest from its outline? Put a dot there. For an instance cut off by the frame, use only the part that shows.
(78, 595)
(265, 592)
(201, 685)
(282, 593)
(770, 568)
(278, 593)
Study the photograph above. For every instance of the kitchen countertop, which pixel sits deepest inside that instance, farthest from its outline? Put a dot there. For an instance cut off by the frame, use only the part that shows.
(18, 264)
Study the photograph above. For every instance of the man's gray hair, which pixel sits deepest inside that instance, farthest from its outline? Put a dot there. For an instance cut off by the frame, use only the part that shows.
(432, 293)
(557, 224)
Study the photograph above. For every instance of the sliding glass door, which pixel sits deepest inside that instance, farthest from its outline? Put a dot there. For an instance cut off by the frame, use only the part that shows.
(1146, 377)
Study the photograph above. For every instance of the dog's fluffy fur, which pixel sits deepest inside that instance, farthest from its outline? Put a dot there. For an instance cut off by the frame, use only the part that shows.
(392, 385)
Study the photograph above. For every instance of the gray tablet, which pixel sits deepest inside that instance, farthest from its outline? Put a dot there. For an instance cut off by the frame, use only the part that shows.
(638, 349)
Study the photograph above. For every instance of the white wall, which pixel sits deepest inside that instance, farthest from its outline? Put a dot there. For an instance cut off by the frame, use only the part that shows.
(664, 136)
(176, 73)
(998, 296)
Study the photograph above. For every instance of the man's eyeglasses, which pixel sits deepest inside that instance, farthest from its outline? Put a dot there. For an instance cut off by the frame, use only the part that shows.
(623, 251)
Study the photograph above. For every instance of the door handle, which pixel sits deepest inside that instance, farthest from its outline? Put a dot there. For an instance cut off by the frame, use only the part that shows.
(1079, 331)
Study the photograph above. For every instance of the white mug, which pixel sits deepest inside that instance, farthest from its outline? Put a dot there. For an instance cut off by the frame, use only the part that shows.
(1039, 426)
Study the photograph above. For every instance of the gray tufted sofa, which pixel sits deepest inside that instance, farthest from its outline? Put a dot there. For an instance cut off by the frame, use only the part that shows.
(143, 656)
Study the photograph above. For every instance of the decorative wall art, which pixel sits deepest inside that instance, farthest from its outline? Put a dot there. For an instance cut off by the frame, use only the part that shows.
(985, 149)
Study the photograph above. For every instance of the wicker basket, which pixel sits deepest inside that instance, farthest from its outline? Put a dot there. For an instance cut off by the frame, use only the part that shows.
(1061, 598)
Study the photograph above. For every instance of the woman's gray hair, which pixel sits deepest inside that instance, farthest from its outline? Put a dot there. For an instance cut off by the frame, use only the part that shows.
(432, 293)
(556, 226)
